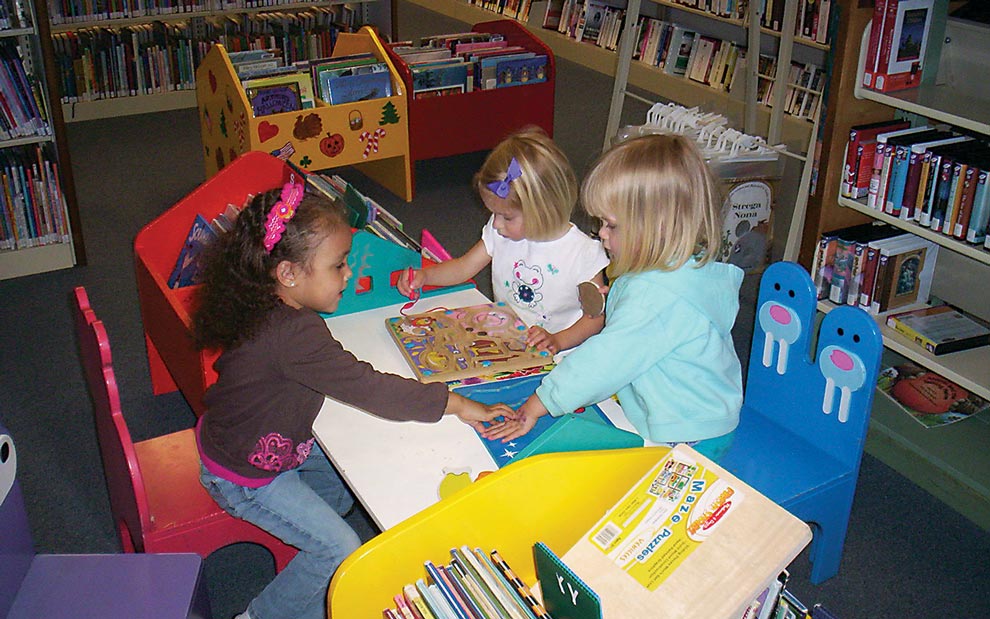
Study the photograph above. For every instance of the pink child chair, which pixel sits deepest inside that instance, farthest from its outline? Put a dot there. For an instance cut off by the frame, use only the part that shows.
(157, 501)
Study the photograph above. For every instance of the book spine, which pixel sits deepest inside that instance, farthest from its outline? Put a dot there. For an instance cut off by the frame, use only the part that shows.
(886, 38)
(875, 174)
(901, 327)
(961, 226)
(897, 179)
(905, 210)
(869, 276)
(955, 196)
(977, 232)
(942, 193)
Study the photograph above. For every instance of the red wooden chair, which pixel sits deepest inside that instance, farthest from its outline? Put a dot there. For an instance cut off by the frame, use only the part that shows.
(157, 501)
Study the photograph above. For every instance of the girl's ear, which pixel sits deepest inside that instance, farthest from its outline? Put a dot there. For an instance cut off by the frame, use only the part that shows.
(285, 273)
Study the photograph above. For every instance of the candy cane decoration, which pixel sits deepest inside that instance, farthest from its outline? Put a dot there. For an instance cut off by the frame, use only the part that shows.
(372, 139)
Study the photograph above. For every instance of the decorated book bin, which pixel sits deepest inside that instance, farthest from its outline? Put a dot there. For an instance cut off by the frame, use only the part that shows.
(372, 135)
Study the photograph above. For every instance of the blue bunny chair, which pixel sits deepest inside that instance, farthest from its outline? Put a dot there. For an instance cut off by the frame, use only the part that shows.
(804, 418)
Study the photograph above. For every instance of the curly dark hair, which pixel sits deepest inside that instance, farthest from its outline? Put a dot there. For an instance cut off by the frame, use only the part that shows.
(239, 284)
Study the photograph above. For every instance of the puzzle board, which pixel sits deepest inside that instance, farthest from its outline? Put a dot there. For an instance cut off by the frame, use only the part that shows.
(454, 344)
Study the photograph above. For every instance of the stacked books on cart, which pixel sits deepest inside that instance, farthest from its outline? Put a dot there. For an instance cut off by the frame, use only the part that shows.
(930, 175)
(463, 62)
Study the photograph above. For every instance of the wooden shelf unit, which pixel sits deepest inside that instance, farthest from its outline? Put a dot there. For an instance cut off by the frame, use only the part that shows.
(949, 462)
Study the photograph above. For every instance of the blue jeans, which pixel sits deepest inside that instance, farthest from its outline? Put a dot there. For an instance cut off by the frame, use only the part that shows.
(712, 448)
(302, 507)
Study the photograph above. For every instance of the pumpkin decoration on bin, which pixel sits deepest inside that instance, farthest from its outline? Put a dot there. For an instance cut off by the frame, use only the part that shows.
(332, 145)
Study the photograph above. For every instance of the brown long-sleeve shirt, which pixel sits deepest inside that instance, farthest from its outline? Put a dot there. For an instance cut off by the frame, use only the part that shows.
(261, 410)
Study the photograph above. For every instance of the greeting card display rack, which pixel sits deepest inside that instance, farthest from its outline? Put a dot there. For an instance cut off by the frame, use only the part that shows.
(478, 120)
(372, 135)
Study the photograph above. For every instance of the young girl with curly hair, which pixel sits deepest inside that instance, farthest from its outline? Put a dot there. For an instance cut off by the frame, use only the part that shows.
(265, 281)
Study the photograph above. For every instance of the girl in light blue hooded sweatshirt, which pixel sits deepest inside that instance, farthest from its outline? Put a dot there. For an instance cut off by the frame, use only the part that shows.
(666, 349)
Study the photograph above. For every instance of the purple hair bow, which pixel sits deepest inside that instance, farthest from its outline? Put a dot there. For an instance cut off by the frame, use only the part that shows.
(501, 188)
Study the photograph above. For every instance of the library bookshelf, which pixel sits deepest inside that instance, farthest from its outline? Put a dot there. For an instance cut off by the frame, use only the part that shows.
(795, 132)
(372, 135)
(948, 462)
(49, 237)
(186, 15)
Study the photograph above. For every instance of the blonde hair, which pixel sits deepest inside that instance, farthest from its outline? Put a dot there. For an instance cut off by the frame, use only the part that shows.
(664, 199)
(547, 190)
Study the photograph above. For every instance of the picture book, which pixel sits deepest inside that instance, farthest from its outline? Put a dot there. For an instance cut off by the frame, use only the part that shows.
(275, 99)
(188, 265)
(358, 87)
(686, 519)
(452, 72)
(452, 344)
(940, 329)
(585, 429)
(908, 37)
(521, 71)
(929, 398)
(302, 81)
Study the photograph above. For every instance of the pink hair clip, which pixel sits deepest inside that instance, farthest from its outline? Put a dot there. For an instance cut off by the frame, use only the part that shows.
(282, 211)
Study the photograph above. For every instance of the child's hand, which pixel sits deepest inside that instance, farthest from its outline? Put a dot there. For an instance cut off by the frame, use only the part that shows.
(541, 339)
(407, 286)
(518, 423)
(474, 413)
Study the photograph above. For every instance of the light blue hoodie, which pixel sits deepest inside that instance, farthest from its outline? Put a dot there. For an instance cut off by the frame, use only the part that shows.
(666, 350)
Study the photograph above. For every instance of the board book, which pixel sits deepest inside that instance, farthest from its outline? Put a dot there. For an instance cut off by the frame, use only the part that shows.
(689, 538)
(585, 429)
(453, 344)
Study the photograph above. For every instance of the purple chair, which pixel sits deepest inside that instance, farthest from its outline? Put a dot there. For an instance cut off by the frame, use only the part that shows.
(89, 586)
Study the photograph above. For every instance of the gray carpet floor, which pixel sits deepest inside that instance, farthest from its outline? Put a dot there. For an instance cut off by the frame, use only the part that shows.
(907, 554)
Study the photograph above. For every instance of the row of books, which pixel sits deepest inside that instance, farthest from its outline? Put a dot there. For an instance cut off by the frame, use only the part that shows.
(33, 205)
(899, 34)
(463, 62)
(516, 9)
(102, 63)
(272, 87)
(876, 266)
(82, 11)
(584, 20)
(21, 104)
(14, 14)
(680, 51)
(474, 585)
(931, 175)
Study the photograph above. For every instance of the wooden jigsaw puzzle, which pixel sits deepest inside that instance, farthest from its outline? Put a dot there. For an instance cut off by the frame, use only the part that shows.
(454, 344)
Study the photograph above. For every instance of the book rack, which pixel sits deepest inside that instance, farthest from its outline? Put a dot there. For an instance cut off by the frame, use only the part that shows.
(478, 120)
(371, 135)
(549, 498)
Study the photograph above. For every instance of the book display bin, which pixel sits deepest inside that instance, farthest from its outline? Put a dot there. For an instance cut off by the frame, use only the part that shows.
(549, 498)
(372, 135)
(478, 120)
(166, 312)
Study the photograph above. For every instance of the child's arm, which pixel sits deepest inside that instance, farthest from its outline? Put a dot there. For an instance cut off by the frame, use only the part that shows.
(474, 413)
(449, 272)
(585, 327)
(518, 423)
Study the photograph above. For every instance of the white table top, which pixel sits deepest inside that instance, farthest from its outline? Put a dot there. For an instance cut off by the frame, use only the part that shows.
(395, 468)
